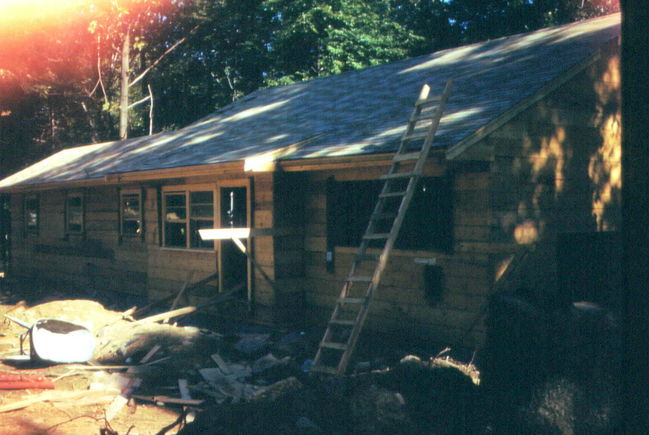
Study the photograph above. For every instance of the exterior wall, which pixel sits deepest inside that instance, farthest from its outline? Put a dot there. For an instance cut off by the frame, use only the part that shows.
(400, 305)
(557, 170)
(97, 259)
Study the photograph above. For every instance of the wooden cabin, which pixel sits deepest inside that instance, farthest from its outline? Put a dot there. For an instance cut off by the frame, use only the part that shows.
(522, 190)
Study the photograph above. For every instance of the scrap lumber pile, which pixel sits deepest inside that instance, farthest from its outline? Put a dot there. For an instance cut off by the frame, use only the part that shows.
(242, 381)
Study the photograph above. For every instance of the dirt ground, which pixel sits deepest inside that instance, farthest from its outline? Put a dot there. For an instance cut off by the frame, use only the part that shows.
(74, 409)
(253, 364)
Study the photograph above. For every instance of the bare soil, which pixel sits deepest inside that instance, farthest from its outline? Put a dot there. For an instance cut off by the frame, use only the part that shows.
(81, 414)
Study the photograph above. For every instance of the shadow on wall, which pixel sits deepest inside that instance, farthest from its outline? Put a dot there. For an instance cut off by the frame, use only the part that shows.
(569, 176)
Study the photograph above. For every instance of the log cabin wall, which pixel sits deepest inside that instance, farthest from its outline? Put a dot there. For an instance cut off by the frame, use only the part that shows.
(556, 172)
(431, 302)
(100, 257)
(95, 258)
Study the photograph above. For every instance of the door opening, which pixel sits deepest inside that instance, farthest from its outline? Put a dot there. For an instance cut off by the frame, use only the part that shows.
(233, 214)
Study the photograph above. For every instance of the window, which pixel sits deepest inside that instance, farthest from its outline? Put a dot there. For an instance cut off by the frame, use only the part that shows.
(130, 214)
(74, 213)
(32, 213)
(186, 212)
(427, 225)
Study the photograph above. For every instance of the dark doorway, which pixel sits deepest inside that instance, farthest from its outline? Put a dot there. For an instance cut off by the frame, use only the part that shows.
(234, 214)
(5, 235)
(589, 268)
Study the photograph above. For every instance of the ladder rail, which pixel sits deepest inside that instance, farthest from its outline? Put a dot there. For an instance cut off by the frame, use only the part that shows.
(385, 196)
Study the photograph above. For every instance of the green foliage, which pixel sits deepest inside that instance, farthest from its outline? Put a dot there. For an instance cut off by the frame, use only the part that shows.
(316, 38)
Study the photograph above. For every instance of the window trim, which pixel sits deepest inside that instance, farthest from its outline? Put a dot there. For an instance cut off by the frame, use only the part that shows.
(185, 189)
(82, 207)
(27, 228)
(122, 219)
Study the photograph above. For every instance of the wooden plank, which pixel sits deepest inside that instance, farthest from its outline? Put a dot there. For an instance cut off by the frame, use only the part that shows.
(166, 315)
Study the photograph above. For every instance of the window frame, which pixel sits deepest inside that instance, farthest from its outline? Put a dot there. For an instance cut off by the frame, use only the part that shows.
(68, 213)
(32, 229)
(186, 190)
(140, 213)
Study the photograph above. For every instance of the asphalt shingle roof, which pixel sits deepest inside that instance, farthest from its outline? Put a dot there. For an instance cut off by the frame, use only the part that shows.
(354, 113)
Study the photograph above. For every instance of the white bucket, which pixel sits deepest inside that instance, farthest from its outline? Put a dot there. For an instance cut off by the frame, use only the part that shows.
(61, 342)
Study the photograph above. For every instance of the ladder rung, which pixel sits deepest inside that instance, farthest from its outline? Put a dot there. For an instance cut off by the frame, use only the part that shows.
(341, 322)
(392, 194)
(406, 156)
(332, 345)
(367, 257)
(415, 136)
(360, 278)
(324, 369)
(351, 300)
(376, 236)
(427, 116)
(398, 175)
(433, 99)
(383, 216)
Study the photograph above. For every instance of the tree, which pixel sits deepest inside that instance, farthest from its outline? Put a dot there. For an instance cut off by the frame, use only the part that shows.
(317, 38)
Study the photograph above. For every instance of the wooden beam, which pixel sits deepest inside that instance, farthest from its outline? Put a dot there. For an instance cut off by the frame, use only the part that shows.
(224, 233)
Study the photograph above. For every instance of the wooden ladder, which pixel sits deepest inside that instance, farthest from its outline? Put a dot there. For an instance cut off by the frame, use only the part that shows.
(351, 308)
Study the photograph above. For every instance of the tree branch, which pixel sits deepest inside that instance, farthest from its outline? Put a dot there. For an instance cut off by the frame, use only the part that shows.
(162, 56)
(148, 97)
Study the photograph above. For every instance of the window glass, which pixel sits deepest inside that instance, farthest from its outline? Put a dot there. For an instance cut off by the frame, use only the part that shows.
(182, 220)
(196, 241)
(74, 214)
(131, 214)
(175, 206)
(175, 234)
(31, 213)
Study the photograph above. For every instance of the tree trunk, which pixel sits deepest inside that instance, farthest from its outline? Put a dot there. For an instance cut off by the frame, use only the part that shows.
(124, 77)
(635, 203)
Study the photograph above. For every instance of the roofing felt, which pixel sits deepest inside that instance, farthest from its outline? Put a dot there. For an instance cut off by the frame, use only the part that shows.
(353, 113)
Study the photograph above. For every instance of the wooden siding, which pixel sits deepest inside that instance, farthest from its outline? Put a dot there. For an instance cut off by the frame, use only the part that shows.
(400, 304)
(96, 259)
(556, 170)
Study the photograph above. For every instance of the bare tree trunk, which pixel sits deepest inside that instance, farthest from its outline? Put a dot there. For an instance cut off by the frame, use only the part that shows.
(124, 77)
(635, 203)
(150, 110)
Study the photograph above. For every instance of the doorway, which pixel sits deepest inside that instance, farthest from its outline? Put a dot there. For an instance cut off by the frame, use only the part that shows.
(233, 213)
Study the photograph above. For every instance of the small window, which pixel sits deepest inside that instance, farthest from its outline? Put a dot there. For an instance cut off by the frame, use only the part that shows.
(32, 213)
(74, 213)
(131, 214)
(186, 212)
